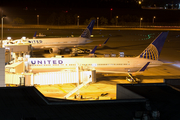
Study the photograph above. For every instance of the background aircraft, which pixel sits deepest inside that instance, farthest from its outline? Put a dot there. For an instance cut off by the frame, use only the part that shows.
(55, 45)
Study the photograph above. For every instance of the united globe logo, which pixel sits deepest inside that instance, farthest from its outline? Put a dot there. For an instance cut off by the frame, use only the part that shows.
(86, 33)
(150, 52)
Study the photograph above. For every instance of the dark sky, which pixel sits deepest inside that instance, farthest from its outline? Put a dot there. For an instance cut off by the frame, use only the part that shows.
(29, 9)
(71, 2)
(65, 3)
(83, 3)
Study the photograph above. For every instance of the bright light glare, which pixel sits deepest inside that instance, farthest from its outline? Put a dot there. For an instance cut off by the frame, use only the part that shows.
(23, 38)
(177, 64)
(27, 56)
(9, 38)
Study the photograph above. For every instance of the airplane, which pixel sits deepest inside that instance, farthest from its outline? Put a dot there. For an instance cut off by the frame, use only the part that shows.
(148, 58)
(54, 45)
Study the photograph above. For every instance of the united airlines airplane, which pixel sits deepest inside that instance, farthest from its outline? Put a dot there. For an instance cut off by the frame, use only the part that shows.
(54, 45)
(148, 58)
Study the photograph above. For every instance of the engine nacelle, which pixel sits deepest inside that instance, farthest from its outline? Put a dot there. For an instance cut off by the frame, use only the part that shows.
(54, 50)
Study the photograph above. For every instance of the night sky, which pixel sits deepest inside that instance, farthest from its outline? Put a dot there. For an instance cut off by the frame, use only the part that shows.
(82, 3)
(29, 9)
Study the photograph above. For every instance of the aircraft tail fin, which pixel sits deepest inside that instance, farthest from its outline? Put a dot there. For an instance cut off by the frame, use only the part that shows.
(154, 49)
(34, 36)
(88, 31)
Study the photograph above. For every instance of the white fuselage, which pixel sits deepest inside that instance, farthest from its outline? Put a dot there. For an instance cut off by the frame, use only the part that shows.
(40, 43)
(120, 65)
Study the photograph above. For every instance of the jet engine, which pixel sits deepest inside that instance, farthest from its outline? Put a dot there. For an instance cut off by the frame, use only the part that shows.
(54, 50)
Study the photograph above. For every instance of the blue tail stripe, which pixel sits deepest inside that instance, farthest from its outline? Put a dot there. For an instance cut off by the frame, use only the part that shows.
(150, 55)
(141, 55)
(147, 54)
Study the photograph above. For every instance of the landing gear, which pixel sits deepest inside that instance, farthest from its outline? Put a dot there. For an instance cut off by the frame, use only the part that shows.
(131, 79)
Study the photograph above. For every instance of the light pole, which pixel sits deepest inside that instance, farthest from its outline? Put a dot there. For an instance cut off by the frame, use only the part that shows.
(153, 19)
(37, 19)
(97, 21)
(140, 21)
(78, 21)
(116, 20)
(2, 29)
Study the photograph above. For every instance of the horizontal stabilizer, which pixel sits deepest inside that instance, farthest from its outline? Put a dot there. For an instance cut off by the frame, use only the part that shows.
(35, 34)
(93, 51)
(105, 42)
(144, 67)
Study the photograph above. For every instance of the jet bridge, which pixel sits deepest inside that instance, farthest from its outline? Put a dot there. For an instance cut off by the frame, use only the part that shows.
(19, 74)
(18, 48)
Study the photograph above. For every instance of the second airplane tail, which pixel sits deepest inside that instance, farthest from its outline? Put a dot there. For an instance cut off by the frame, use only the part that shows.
(34, 36)
(88, 31)
(154, 49)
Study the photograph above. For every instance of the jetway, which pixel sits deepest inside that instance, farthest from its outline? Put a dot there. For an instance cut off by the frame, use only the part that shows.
(21, 73)
(18, 48)
(50, 78)
(63, 77)
(80, 78)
